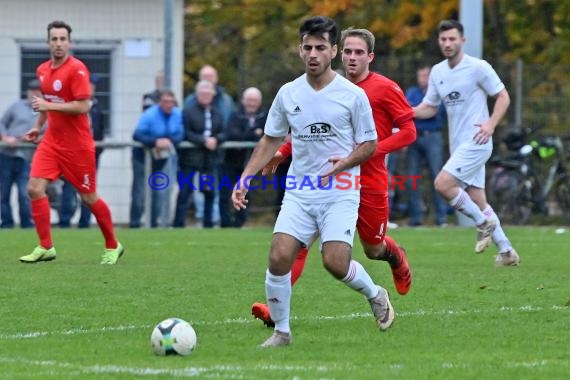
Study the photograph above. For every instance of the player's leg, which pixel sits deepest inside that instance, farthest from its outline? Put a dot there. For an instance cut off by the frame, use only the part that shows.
(44, 170)
(261, 310)
(507, 255)
(337, 223)
(372, 227)
(79, 170)
(293, 228)
(459, 172)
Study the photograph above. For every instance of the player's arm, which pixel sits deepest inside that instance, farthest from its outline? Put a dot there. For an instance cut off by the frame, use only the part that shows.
(74, 107)
(363, 152)
(424, 111)
(486, 130)
(502, 102)
(262, 154)
(404, 137)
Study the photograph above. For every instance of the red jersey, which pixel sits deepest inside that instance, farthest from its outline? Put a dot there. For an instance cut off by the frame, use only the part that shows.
(390, 110)
(67, 83)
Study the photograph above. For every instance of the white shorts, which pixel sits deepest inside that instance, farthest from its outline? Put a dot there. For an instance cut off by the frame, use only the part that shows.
(467, 163)
(335, 221)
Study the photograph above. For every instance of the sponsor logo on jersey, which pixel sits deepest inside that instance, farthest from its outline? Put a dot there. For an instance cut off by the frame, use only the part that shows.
(453, 99)
(317, 132)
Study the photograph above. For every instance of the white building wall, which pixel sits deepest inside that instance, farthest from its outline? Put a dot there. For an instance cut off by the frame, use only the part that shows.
(101, 22)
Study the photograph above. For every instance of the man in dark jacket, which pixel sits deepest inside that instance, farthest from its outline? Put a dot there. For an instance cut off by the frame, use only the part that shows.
(204, 127)
(246, 124)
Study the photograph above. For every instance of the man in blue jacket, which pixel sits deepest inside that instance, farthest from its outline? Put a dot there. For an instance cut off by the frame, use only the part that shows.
(160, 130)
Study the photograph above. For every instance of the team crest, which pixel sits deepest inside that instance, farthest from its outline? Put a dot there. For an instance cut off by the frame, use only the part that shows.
(57, 85)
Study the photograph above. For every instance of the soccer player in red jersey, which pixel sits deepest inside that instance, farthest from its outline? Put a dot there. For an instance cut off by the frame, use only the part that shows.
(390, 110)
(67, 148)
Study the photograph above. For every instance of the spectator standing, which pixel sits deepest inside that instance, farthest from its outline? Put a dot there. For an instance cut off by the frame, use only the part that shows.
(138, 159)
(14, 160)
(428, 147)
(225, 105)
(204, 127)
(246, 124)
(159, 129)
(69, 202)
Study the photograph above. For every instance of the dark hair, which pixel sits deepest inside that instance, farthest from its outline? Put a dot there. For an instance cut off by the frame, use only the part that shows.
(446, 25)
(57, 25)
(318, 26)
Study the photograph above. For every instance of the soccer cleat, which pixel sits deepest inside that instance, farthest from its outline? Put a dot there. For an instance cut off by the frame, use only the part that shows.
(278, 339)
(401, 274)
(484, 232)
(39, 254)
(261, 311)
(111, 256)
(382, 309)
(509, 258)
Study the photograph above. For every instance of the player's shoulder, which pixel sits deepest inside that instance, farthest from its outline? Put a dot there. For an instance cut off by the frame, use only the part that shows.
(383, 83)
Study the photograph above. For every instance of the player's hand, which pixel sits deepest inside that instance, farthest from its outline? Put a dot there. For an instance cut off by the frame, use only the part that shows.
(238, 195)
(338, 166)
(33, 135)
(272, 165)
(484, 134)
(39, 104)
(211, 143)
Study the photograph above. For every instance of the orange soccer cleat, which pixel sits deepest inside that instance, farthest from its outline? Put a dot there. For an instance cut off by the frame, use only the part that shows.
(401, 274)
(261, 311)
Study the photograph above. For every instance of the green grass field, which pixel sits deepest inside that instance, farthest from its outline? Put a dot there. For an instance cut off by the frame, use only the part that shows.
(463, 319)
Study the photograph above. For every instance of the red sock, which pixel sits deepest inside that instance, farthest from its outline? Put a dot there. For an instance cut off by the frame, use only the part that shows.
(41, 214)
(299, 265)
(103, 215)
(392, 252)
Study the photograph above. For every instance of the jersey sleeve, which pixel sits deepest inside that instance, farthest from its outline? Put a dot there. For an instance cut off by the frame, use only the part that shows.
(286, 149)
(488, 79)
(401, 114)
(276, 124)
(432, 97)
(80, 87)
(363, 122)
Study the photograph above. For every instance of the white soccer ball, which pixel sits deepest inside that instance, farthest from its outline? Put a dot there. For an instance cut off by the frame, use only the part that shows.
(173, 336)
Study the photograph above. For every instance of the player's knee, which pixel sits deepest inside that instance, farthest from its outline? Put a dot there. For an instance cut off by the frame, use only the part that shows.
(35, 190)
(335, 266)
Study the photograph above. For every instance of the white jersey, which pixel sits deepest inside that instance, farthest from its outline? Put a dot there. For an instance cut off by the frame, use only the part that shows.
(325, 123)
(464, 90)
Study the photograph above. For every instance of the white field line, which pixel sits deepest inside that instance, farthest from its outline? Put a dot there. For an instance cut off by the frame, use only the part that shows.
(230, 371)
(417, 313)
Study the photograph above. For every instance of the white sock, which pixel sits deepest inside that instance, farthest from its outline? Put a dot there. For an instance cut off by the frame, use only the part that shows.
(358, 279)
(278, 292)
(499, 237)
(465, 205)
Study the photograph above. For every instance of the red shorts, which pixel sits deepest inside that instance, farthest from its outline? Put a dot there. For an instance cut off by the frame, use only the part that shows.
(372, 220)
(76, 166)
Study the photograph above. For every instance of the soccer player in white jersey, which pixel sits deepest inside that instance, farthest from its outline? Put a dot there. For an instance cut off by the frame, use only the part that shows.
(463, 83)
(332, 131)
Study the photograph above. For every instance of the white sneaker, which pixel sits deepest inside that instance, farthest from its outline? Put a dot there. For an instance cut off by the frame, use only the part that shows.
(278, 339)
(510, 258)
(484, 235)
(382, 309)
